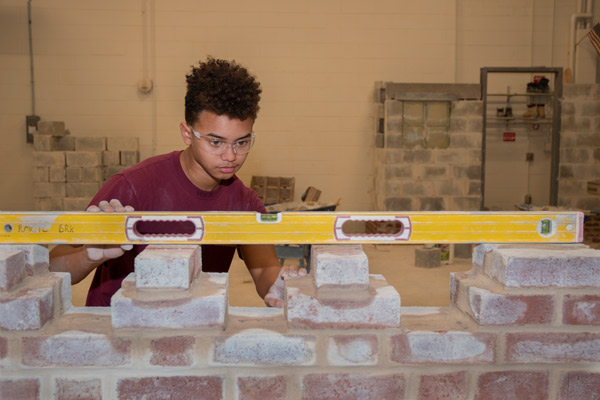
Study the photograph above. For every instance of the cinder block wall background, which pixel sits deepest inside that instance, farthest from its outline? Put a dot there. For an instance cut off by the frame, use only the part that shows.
(317, 61)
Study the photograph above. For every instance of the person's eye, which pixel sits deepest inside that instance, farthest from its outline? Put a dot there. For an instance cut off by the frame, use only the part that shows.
(215, 142)
(242, 143)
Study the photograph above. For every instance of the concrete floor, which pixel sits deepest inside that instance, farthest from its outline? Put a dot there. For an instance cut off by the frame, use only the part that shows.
(427, 287)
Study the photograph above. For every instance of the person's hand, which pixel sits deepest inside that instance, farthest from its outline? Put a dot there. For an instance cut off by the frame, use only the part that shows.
(274, 297)
(107, 252)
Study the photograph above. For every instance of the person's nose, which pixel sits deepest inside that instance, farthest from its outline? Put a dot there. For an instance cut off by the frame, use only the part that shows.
(230, 153)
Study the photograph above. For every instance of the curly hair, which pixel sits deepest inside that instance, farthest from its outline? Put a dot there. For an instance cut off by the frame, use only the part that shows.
(222, 87)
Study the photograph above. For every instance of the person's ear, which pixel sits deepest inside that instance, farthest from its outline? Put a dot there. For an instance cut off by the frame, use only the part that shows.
(186, 133)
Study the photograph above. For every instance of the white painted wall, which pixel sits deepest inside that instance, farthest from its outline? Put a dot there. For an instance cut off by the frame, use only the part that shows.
(317, 61)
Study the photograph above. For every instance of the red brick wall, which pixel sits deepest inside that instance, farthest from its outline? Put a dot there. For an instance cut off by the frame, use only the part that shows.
(524, 324)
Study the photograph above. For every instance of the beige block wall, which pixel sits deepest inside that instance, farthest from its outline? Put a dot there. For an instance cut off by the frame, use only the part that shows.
(317, 60)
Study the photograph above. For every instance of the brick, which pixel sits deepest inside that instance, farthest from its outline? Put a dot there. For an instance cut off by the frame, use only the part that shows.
(76, 203)
(451, 386)
(48, 159)
(443, 348)
(172, 351)
(349, 350)
(261, 388)
(171, 387)
(122, 143)
(75, 349)
(522, 385)
(553, 266)
(581, 310)
(56, 174)
(204, 305)
(488, 308)
(82, 189)
(378, 307)
(580, 385)
(339, 265)
(428, 257)
(265, 347)
(552, 347)
(90, 143)
(353, 386)
(129, 158)
(36, 257)
(84, 158)
(12, 268)
(78, 389)
(20, 389)
(167, 267)
(54, 128)
(28, 308)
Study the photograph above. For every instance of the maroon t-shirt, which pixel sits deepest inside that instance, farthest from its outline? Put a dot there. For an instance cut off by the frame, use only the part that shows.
(159, 184)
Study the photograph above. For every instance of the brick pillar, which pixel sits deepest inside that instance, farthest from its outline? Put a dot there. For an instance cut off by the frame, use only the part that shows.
(30, 296)
(340, 293)
(168, 290)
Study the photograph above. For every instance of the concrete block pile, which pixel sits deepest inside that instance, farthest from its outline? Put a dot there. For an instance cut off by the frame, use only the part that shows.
(69, 170)
(435, 175)
(524, 323)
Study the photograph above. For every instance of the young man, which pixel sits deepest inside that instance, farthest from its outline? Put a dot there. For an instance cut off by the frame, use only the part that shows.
(221, 105)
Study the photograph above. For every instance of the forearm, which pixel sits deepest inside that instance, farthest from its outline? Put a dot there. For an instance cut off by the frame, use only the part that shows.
(74, 260)
(265, 279)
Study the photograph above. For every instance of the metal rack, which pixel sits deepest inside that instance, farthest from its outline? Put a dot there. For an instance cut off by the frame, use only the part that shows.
(554, 120)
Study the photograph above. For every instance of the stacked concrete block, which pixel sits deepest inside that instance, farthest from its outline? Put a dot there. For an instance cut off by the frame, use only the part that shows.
(69, 170)
(579, 146)
(441, 173)
(30, 296)
(168, 290)
(340, 292)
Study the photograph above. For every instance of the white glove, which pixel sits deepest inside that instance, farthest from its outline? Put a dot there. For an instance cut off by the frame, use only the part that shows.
(274, 297)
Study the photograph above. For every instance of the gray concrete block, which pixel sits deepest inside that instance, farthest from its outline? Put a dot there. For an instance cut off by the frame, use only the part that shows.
(129, 158)
(82, 189)
(54, 128)
(122, 144)
(48, 159)
(90, 143)
(43, 142)
(91, 174)
(428, 257)
(65, 143)
(398, 204)
(41, 174)
(74, 174)
(432, 204)
(84, 158)
(49, 189)
(463, 250)
(76, 203)
(110, 171)
(110, 158)
(57, 174)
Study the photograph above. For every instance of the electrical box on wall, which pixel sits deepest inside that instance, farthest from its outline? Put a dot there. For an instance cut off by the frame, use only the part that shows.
(31, 122)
